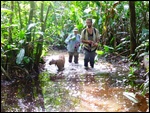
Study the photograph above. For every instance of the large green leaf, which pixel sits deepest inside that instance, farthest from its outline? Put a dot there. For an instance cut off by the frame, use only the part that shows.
(6, 10)
(100, 21)
(31, 25)
(145, 31)
(99, 52)
(143, 54)
(26, 59)
(21, 34)
(20, 56)
(130, 96)
(39, 32)
(107, 48)
(88, 10)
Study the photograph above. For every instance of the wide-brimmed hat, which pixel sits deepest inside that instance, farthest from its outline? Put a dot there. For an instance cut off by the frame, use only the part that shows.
(75, 29)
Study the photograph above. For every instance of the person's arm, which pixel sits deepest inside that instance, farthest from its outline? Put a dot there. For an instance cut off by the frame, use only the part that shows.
(87, 41)
(97, 38)
(68, 39)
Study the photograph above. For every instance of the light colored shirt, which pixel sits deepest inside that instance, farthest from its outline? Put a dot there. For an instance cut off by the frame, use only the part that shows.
(72, 43)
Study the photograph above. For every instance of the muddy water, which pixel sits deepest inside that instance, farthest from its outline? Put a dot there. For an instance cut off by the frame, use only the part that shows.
(23, 95)
(74, 89)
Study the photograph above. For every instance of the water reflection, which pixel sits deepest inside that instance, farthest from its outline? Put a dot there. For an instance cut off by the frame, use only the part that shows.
(72, 90)
(21, 96)
(100, 89)
(84, 96)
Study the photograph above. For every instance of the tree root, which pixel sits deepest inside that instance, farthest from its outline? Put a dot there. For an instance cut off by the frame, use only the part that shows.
(5, 73)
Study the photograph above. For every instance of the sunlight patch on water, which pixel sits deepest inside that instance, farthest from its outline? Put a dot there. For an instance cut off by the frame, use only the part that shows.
(107, 100)
(103, 67)
(84, 97)
(88, 91)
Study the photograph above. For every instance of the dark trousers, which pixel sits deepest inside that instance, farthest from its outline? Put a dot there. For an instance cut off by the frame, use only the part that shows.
(89, 57)
(75, 55)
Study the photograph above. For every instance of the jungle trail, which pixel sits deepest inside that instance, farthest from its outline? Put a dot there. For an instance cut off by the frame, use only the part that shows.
(73, 89)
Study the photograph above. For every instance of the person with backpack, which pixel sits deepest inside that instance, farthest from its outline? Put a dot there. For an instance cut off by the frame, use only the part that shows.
(90, 38)
(73, 43)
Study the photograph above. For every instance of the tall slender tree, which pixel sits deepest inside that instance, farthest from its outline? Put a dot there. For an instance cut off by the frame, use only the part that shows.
(39, 47)
(10, 21)
(132, 27)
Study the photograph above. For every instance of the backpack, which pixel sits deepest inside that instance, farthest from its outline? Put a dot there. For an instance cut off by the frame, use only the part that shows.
(85, 31)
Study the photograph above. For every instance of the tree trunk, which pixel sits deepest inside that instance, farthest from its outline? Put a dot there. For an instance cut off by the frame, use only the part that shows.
(40, 41)
(29, 45)
(21, 26)
(32, 6)
(10, 21)
(46, 17)
(25, 14)
(133, 27)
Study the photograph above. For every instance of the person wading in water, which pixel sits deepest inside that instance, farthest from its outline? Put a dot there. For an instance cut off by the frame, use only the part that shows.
(90, 38)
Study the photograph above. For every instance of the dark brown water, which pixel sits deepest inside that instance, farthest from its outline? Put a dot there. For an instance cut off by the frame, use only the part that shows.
(21, 95)
(74, 89)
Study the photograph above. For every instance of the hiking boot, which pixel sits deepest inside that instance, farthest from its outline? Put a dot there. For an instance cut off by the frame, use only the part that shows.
(86, 67)
(76, 62)
(92, 66)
